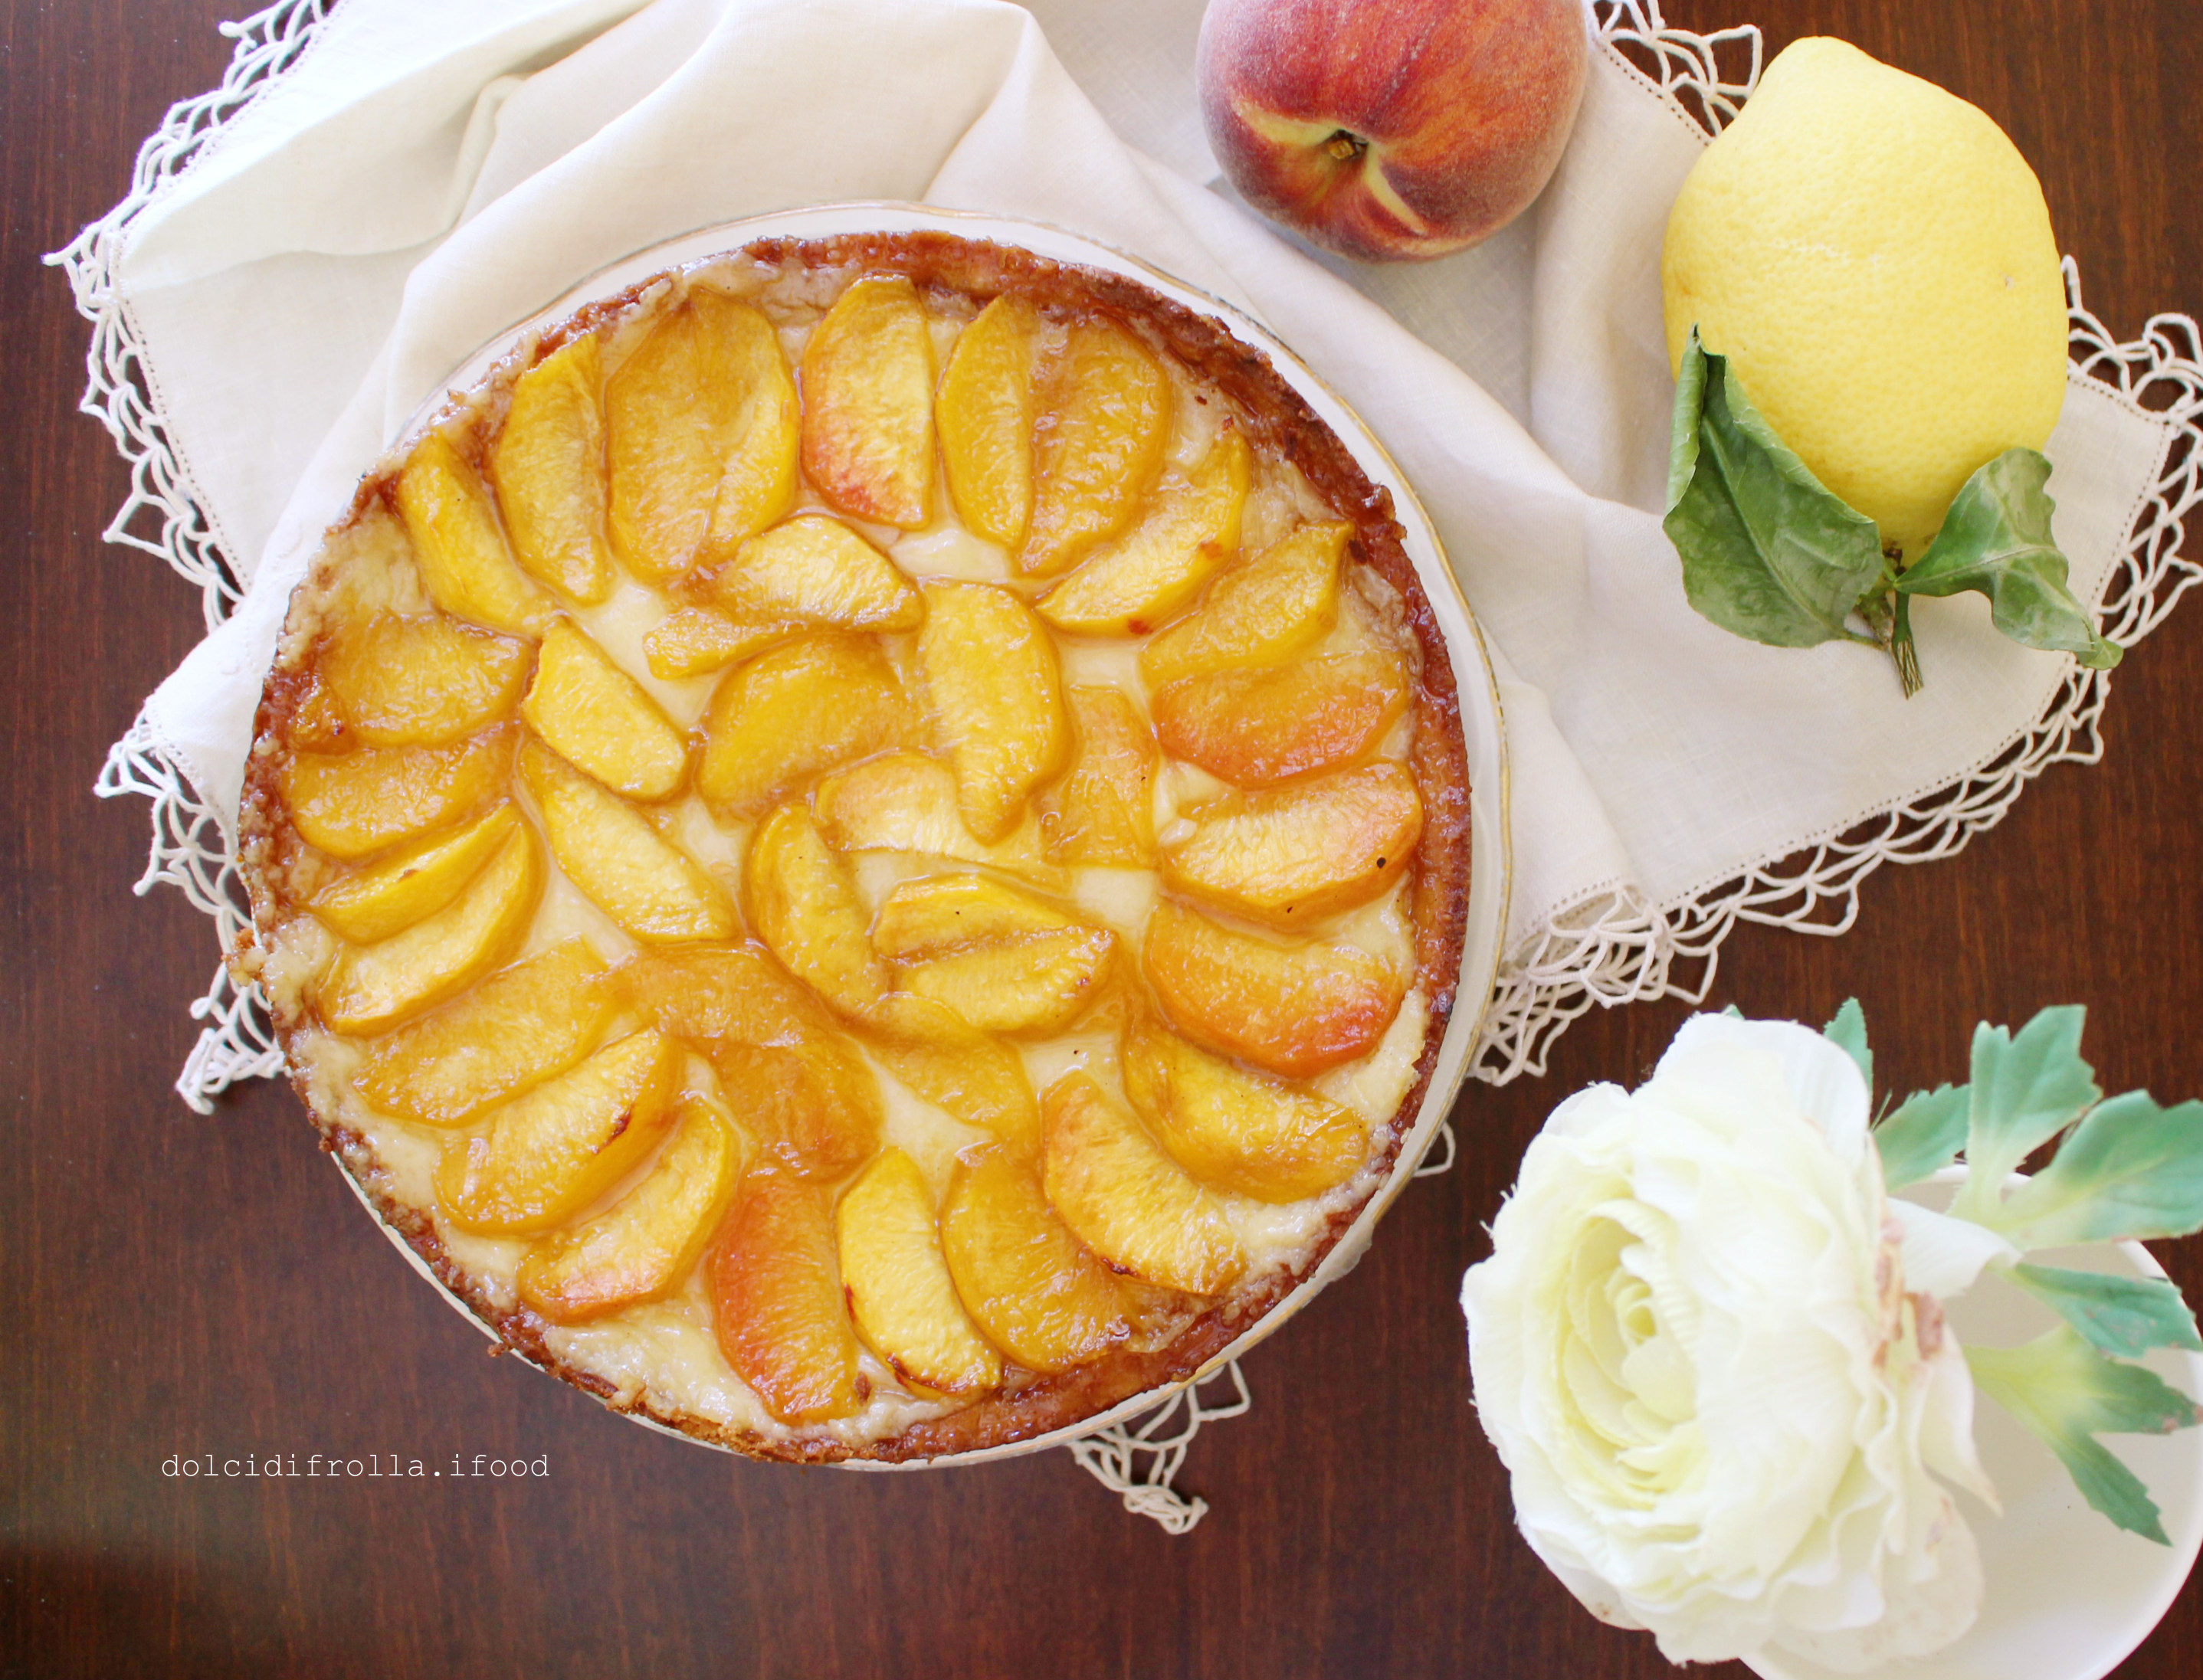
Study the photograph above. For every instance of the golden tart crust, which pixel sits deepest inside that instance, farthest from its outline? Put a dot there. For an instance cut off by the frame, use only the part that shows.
(369, 565)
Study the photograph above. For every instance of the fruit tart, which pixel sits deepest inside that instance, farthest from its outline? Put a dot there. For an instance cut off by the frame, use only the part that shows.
(863, 846)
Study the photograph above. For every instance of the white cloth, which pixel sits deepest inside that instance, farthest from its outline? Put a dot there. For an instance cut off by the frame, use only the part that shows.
(432, 171)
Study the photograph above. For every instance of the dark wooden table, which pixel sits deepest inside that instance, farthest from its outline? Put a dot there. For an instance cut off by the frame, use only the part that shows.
(180, 1285)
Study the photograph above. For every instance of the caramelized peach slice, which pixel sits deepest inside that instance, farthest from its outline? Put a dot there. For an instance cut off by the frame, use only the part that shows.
(1280, 604)
(795, 1078)
(1126, 1199)
(1294, 1010)
(1235, 1131)
(986, 410)
(548, 466)
(1189, 534)
(1106, 419)
(969, 1075)
(778, 1301)
(1034, 985)
(1103, 810)
(805, 908)
(695, 641)
(644, 1244)
(1259, 726)
(900, 1291)
(793, 711)
(548, 1155)
(937, 913)
(373, 987)
(907, 802)
(1032, 1287)
(868, 403)
(356, 802)
(598, 718)
(621, 864)
(1291, 855)
(463, 558)
(997, 696)
(814, 1106)
(520, 1026)
(413, 882)
(700, 437)
(816, 570)
(420, 681)
(703, 993)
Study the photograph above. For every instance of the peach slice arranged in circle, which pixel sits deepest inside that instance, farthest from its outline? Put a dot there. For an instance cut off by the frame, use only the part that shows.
(900, 1291)
(469, 571)
(1280, 604)
(1108, 406)
(352, 804)
(1257, 727)
(1189, 534)
(781, 1320)
(645, 1243)
(700, 437)
(548, 1155)
(1295, 1010)
(794, 710)
(599, 720)
(622, 864)
(548, 467)
(1127, 1200)
(520, 1026)
(806, 909)
(992, 678)
(413, 883)
(1237, 1130)
(1035, 1290)
(373, 987)
(1291, 855)
(986, 411)
(421, 681)
(868, 403)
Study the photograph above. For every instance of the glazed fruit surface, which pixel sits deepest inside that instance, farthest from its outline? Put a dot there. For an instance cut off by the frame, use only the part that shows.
(864, 847)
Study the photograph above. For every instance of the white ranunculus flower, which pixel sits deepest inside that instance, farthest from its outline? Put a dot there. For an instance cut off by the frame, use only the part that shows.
(1694, 1347)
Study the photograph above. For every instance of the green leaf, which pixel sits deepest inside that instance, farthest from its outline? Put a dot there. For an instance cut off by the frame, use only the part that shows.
(1847, 1032)
(1996, 540)
(2067, 1394)
(1768, 553)
(2025, 1091)
(1923, 1135)
(2123, 1315)
(2130, 1170)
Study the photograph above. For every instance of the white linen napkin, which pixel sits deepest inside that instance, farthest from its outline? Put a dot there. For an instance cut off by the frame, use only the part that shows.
(425, 173)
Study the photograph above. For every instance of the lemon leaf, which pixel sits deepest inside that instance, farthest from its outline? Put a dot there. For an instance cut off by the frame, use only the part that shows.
(1996, 540)
(1768, 553)
(2067, 1394)
(2122, 1316)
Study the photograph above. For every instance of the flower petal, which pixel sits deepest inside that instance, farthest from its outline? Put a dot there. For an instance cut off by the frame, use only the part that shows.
(1942, 1255)
(1823, 1080)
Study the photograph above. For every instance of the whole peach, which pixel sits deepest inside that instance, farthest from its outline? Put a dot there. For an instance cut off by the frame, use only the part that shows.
(1390, 129)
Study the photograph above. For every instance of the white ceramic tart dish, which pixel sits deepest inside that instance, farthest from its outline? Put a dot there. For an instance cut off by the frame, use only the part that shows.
(880, 838)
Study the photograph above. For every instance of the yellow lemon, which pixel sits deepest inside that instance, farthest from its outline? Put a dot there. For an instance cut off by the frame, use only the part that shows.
(1874, 257)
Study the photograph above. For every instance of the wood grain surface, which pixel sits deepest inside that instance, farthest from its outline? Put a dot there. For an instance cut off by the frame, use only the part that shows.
(179, 1285)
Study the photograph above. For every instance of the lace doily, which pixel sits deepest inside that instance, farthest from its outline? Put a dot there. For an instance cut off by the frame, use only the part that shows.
(1611, 947)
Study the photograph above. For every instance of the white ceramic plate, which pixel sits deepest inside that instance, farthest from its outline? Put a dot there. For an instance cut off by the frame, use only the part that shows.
(1491, 863)
(2069, 1596)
